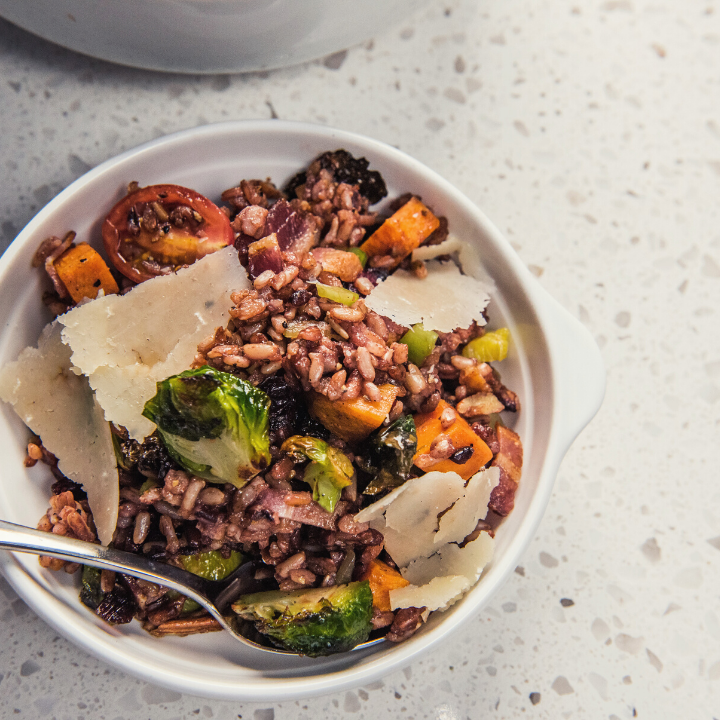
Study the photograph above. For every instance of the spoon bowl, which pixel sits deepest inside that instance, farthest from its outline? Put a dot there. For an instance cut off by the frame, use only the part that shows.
(213, 595)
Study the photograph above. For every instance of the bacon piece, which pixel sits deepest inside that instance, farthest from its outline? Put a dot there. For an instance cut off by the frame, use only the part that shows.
(297, 232)
(264, 255)
(509, 459)
(275, 502)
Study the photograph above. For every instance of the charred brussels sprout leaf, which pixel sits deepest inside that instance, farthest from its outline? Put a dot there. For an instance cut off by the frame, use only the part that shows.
(389, 456)
(329, 470)
(319, 621)
(90, 593)
(211, 565)
(213, 424)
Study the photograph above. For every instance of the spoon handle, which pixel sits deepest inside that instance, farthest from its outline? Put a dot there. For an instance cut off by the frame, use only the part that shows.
(24, 539)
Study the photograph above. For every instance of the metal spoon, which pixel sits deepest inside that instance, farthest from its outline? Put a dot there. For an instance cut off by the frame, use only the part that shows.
(214, 595)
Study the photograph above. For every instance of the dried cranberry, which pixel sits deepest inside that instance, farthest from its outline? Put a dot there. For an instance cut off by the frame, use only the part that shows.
(117, 607)
(462, 455)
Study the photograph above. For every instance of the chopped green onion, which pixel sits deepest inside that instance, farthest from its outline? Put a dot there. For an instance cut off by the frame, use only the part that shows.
(490, 347)
(420, 343)
(336, 294)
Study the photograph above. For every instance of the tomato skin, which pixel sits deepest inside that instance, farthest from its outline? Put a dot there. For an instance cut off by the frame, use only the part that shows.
(140, 252)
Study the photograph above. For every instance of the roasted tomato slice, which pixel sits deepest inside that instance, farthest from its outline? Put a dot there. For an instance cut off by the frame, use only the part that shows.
(160, 228)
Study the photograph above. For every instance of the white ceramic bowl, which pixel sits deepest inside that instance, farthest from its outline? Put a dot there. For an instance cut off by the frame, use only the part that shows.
(207, 36)
(554, 366)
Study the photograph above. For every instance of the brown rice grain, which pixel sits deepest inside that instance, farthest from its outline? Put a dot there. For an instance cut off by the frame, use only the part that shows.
(190, 497)
(414, 380)
(263, 279)
(294, 562)
(447, 417)
(461, 363)
(142, 527)
(400, 353)
(261, 351)
(347, 314)
(303, 577)
(364, 364)
(371, 391)
(212, 496)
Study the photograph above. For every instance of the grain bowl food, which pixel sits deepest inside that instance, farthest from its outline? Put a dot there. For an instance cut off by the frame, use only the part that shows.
(288, 378)
(552, 364)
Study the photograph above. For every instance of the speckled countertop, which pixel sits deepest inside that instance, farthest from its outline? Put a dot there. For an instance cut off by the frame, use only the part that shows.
(590, 133)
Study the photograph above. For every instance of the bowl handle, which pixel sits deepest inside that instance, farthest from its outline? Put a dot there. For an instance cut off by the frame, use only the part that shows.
(578, 363)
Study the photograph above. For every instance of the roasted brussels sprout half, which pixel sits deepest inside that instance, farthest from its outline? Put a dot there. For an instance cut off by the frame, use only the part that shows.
(213, 424)
(314, 622)
(329, 470)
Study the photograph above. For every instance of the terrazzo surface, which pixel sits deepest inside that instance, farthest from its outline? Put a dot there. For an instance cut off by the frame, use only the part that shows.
(590, 134)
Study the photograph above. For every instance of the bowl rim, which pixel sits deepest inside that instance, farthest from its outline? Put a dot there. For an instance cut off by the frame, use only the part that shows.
(586, 386)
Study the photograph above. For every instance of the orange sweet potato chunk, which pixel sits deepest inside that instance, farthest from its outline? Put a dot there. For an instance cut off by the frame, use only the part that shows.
(404, 231)
(353, 420)
(383, 579)
(84, 273)
(462, 435)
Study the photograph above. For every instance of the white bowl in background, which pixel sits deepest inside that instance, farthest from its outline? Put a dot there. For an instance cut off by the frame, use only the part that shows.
(554, 366)
(207, 36)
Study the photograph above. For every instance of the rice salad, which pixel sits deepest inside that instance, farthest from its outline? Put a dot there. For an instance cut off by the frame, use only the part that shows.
(288, 379)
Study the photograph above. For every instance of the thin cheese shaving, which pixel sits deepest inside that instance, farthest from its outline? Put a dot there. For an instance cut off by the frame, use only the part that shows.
(462, 518)
(441, 580)
(125, 344)
(438, 594)
(423, 546)
(465, 254)
(451, 559)
(444, 300)
(412, 520)
(59, 406)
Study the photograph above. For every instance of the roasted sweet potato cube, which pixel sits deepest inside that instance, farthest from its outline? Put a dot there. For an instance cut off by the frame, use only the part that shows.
(404, 231)
(460, 433)
(383, 579)
(84, 273)
(345, 265)
(353, 420)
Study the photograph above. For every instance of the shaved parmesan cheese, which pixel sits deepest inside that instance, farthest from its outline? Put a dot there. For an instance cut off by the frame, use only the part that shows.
(462, 518)
(444, 300)
(423, 546)
(466, 254)
(412, 520)
(438, 594)
(451, 559)
(430, 252)
(125, 344)
(59, 406)
(441, 580)
(377, 509)
(408, 516)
